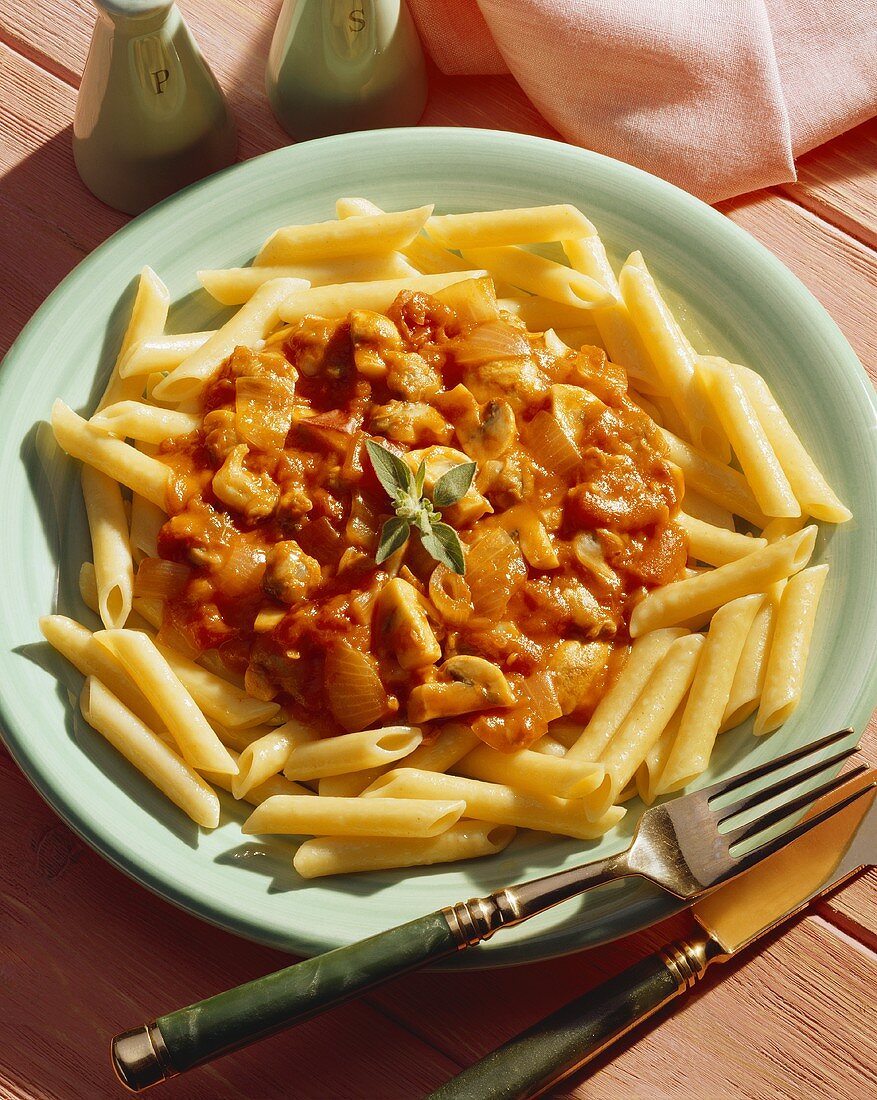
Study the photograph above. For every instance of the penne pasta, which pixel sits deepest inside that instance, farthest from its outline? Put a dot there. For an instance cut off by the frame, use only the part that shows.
(494, 228)
(256, 795)
(255, 320)
(494, 802)
(813, 492)
(709, 693)
(233, 286)
(351, 752)
(715, 545)
(428, 257)
(693, 596)
(145, 423)
(527, 271)
(151, 756)
(655, 760)
(698, 507)
(613, 708)
(161, 353)
(147, 321)
(402, 817)
(673, 359)
(646, 721)
(344, 855)
(147, 519)
(336, 301)
(110, 546)
(760, 465)
(539, 314)
(749, 678)
(349, 785)
(177, 709)
(363, 235)
(141, 473)
(537, 772)
(260, 760)
(718, 483)
(790, 648)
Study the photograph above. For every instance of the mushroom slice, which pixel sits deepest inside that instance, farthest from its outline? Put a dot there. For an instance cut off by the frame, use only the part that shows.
(466, 683)
(402, 621)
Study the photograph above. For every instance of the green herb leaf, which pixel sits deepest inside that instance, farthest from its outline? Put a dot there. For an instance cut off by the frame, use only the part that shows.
(420, 477)
(391, 472)
(443, 543)
(453, 485)
(394, 535)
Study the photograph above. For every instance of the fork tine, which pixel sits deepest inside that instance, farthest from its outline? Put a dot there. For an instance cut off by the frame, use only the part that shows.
(773, 817)
(781, 786)
(728, 785)
(762, 851)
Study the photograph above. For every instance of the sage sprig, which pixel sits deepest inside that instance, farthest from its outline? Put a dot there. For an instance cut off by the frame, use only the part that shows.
(414, 509)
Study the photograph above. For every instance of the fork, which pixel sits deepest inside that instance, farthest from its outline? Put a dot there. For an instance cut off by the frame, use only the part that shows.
(679, 846)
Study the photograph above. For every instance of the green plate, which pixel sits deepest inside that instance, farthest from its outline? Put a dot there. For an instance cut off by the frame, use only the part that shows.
(737, 301)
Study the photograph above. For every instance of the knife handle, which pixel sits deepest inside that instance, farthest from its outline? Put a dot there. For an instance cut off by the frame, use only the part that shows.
(569, 1038)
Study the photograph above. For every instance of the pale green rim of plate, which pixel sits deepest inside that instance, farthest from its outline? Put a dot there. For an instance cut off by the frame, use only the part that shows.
(642, 907)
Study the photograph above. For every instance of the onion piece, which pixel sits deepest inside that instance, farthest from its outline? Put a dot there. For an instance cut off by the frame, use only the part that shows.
(539, 695)
(263, 410)
(451, 595)
(548, 441)
(473, 300)
(353, 688)
(159, 579)
(242, 570)
(494, 570)
(487, 343)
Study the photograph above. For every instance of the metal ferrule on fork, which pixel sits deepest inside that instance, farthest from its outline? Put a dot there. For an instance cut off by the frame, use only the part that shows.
(476, 920)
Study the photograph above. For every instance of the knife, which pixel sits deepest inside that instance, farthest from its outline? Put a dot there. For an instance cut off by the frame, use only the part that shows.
(727, 921)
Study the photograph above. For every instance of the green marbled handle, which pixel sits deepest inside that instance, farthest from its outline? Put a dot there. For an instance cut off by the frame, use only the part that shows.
(239, 1016)
(536, 1059)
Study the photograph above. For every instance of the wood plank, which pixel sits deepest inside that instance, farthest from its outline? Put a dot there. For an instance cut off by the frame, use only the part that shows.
(853, 909)
(795, 1019)
(110, 956)
(838, 181)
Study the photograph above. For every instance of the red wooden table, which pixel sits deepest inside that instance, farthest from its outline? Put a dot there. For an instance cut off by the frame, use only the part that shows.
(84, 952)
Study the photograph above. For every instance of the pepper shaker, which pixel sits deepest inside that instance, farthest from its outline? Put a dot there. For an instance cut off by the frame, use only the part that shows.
(150, 116)
(340, 65)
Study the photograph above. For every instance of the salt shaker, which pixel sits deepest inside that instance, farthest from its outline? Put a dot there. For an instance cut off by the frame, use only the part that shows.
(150, 117)
(340, 65)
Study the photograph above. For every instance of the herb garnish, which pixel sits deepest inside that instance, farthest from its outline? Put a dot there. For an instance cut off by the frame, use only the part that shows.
(414, 509)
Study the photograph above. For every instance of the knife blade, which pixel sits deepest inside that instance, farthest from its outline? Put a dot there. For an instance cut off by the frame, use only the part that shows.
(726, 922)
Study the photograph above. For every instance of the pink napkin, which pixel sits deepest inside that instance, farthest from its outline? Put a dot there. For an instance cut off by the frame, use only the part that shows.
(717, 97)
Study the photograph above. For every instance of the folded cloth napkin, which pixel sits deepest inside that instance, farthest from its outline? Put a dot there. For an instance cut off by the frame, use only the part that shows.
(717, 96)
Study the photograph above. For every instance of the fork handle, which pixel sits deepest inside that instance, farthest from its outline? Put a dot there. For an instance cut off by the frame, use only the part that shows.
(551, 1050)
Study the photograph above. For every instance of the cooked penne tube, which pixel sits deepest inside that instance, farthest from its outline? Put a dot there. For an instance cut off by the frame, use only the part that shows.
(454, 742)
(147, 321)
(618, 334)
(151, 756)
(274, 784)
(790, 648)
(530, 272)
(698, 507)
(349, 785)
(215, 696)
(88, 587)
(337, 301)
(760, 465)
(493, 228)
(177, 709)
(813, 492)
(110, 545)
(428, 257)
(548, 746)
(749, 678)
(234, 285)
(255, 320)
(344, 855)
(718, 483)
(649, 772)
(709, 693)
(145, 423)
(537, 772)
(494, 802)
(76, 643)
(147, 519)
(161, 353)
(539, 314)
(782, 528)
(260, 760)
(682, 600)
(113, 457)
(646, 721)
(715, 545)
(351, 752)
(320, 816)
(613, 708)
(672, 357)
(362, 235)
